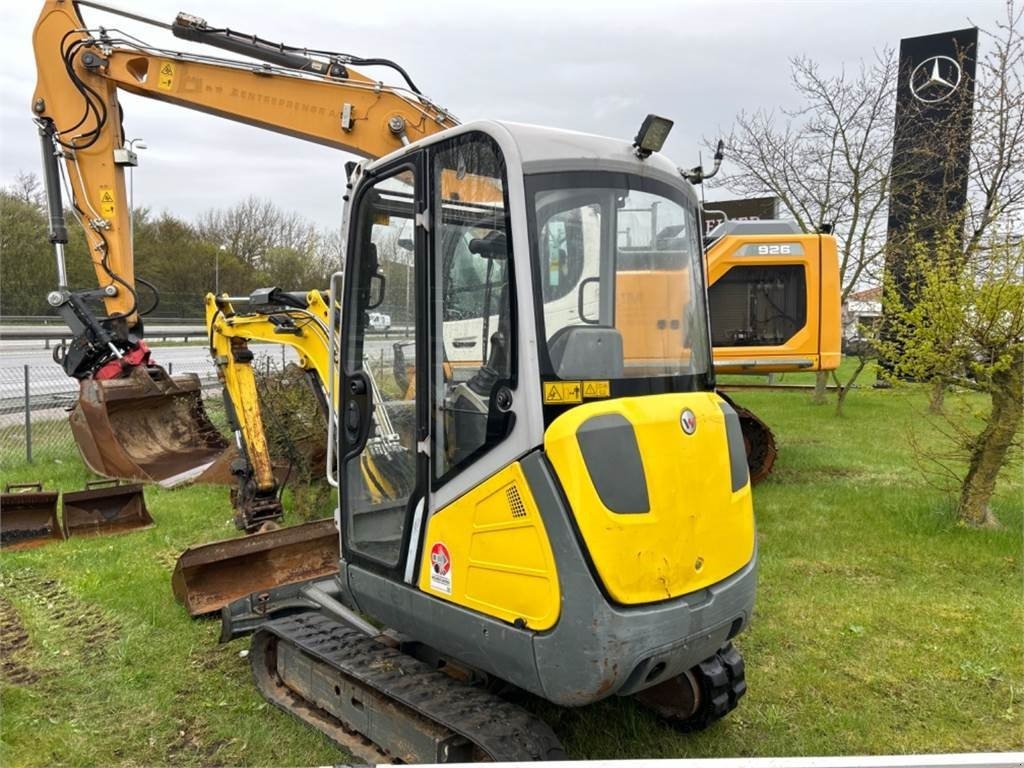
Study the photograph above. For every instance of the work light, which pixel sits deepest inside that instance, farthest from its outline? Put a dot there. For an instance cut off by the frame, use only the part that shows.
(651, 136)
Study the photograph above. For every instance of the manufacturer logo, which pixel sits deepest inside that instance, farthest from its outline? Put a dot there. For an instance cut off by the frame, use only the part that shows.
(688, 421)
(935, 79)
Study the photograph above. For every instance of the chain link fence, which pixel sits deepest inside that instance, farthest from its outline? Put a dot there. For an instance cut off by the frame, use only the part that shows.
(36, 398)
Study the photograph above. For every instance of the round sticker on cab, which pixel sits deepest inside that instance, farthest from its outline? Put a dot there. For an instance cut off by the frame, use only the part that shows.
(440, 569)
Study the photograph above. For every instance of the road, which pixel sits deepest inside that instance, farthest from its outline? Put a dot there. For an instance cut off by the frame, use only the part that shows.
(48, 381)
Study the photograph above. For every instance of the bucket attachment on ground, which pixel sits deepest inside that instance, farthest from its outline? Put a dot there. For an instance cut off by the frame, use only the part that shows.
(210, 576)
(28, 516)
(147, 426)
(105, 506)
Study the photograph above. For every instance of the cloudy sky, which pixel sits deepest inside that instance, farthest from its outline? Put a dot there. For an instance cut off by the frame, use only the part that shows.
(592, 66)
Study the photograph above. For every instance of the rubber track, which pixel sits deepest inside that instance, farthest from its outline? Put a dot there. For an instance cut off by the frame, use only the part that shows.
(505, 732)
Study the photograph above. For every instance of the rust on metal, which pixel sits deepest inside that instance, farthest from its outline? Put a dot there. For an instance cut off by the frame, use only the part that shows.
(675, 699)
(28, 516)
(104, 507)
(147, 426)
(209, 576)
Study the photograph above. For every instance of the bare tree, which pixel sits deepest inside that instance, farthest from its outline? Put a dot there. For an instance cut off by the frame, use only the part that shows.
(250, 229)
(995, 194)
(827, 161)
(28, 189)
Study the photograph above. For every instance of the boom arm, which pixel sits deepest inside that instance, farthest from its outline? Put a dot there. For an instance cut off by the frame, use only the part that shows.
(315, 98)
(279, 318)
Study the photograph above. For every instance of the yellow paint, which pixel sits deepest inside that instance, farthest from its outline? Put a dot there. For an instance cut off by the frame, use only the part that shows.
(501, 559)
(107, 205)
(597, 389)
(697, 531)
(562, 392)
(165, 75)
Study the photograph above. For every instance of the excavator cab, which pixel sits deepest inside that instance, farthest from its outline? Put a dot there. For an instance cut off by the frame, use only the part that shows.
(578, 520)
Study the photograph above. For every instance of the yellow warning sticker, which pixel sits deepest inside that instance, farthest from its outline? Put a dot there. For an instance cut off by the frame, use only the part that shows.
(107, 206)
(165, 77)
(596, 389)
(562, 392)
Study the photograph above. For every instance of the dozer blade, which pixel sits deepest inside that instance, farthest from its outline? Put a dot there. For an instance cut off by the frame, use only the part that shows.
(147, 426)
(105, 506)
(28, 516)
(210, 576)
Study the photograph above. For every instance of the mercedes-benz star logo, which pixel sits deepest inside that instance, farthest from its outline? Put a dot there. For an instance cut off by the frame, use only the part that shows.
(935, 79)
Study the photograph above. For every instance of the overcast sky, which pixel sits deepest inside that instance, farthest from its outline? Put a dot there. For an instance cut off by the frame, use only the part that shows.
(592, 66)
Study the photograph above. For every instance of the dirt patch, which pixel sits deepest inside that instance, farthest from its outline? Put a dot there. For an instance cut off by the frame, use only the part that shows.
(168, 558)
(853, 573)
(14, 646)
(814, 474)
(192, 746)
(86, 623)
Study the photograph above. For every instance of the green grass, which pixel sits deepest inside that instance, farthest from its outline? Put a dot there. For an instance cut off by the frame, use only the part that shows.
(881, 625)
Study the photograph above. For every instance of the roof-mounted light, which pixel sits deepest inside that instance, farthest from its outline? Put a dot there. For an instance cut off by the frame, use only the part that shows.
(651, 136)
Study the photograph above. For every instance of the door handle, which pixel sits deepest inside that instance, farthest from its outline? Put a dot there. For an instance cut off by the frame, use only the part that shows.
(357, 408)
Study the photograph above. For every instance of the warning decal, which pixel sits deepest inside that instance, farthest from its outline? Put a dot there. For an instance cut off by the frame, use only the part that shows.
(165, 79)
(596, 389)
(107, 202)
(562, 392)
(440, 569)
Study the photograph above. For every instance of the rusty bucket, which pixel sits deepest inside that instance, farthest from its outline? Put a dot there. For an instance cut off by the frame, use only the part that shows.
(147, 426)
(209, 576)
(28, 516)
(105, 506)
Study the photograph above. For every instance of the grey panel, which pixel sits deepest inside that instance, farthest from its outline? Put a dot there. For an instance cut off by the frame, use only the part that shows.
(587, 352)
(598, 649)
(758, 227)
(485, 643)
(737, 448)
(612, 455)
(771, 249)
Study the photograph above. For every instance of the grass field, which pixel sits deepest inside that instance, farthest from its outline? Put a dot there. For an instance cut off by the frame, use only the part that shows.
(881, 626)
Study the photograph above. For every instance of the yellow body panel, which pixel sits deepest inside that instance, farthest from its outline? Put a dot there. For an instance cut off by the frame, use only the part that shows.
(697, 532)
(501, 562)
(816, 346)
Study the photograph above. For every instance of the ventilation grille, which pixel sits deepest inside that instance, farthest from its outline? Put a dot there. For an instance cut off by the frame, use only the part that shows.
(515, 502)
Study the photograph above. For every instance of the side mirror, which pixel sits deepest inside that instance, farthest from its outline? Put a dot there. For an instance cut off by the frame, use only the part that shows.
(581, 300)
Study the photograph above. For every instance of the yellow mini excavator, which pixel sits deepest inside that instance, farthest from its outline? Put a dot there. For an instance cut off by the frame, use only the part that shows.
(578, 522)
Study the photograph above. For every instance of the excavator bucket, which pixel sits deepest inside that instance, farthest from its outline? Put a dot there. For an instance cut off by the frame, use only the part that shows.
(210, 576)
(105, 506)
(147, 426)
(28, 516)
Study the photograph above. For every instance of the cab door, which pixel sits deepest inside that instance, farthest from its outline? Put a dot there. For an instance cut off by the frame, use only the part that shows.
(380, 420)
